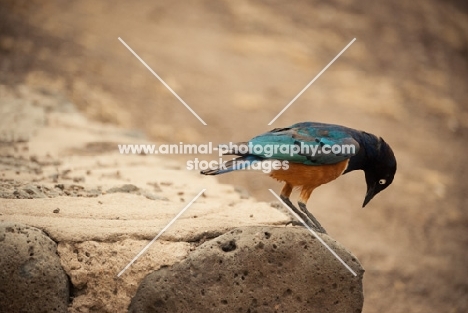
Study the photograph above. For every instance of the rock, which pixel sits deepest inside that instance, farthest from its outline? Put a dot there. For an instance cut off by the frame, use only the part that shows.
(256, 269)
(93, 267)
(152, 196)
(31, 277)
(30, 191)
(127, 188)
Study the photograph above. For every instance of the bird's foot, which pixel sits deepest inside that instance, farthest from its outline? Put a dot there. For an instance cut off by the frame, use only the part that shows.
(316, 224)
(320, 230)
(303, 215)
(294, 223)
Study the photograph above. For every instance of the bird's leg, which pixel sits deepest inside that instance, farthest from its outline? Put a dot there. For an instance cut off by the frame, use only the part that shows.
(316, 223)
(285, 193)
(289, 204)
(303, 197)
(298, 212)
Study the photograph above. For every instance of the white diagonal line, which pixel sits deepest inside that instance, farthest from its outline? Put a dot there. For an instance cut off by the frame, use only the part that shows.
(162, 81)
(314, 233)
(311, 82)
(160, 233)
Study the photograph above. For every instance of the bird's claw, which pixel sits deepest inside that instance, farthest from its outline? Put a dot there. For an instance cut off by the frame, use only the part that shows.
(316, 224)
(294, 223)
(320, 229)
(314, 227)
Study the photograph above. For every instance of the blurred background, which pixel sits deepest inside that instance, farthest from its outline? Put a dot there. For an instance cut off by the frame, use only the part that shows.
(238, 63)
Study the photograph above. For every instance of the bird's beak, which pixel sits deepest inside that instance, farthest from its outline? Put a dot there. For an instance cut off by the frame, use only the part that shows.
(369, 195)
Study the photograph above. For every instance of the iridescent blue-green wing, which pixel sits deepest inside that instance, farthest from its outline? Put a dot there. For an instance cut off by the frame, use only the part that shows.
(306, 143)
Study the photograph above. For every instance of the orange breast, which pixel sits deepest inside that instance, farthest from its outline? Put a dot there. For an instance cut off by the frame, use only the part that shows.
(309, 175)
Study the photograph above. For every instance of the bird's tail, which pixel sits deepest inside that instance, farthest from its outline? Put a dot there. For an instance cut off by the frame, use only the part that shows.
(240, 163)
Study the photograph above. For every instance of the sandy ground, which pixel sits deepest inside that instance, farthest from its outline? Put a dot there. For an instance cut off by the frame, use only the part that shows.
(238, 64)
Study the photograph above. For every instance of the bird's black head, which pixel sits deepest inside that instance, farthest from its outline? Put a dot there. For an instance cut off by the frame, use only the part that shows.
(380, 170)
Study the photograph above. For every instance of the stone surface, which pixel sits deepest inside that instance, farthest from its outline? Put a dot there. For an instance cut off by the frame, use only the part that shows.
(93, 267)
(31, 276)
(256, 269)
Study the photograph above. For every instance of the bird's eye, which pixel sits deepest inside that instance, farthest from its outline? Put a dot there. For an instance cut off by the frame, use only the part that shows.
(382, 181)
